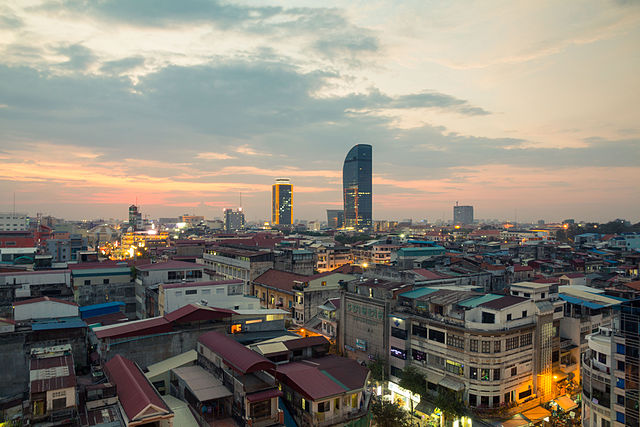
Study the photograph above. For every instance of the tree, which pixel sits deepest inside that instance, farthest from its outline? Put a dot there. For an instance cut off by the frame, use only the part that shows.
(449, 404)
(389, 414)
(378, 369)
(412, 380)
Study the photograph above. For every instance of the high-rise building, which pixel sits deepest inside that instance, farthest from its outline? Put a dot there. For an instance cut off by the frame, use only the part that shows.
(356, 184)
(14, 221)
(135, 218)
(233, 220)
(462, 214)
(281, 202)
(335, 218)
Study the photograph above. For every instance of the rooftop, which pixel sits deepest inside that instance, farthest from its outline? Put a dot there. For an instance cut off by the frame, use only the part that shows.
(169, 265)
(198, 284)
(234, 354)
(280, 279)
(503, 302)
(42, 299)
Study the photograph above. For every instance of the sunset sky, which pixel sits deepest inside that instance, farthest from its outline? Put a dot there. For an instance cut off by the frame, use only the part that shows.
(511, 106)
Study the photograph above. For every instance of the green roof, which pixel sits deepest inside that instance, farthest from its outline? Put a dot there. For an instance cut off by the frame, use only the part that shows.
(417, 293)
(474, 302)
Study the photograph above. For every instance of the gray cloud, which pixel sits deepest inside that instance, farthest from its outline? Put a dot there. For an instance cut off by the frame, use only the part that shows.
(79, 57)
(122, 65)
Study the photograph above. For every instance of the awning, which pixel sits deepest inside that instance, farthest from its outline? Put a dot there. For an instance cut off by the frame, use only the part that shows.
(433, 377)
(516, 421)
(566, 403)
(264, 395)
(536, 414)
(451, 384)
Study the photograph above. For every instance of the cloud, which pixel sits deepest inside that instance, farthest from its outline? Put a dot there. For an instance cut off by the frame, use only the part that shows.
(245, 149)
(214, 156)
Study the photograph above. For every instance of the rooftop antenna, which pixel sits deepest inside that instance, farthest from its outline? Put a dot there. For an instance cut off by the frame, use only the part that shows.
(14, 204)
(241, 199)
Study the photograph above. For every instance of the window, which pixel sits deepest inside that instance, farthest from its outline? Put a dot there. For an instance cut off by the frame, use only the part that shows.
(435, 335)
(486, 346)
(514, 371)
(620, 349)
(87, 282)
(484, 401)
(488, 317)
(191, 292)
(396, 372)
(220, 291)
(524, 313)
(524, 394)
(419, 355)
(527, 295)
(620, 417)
(602, 358)
(306, 405)
(512, 343)
(485, 374)
(508, 397)
(620, 365)
(59, 403)
(473, 400)
(473, 373)
(398, 333)
(206, 292)
(496, 346)
(525, 340)
(620, 383)
(455, 341)
(473, 345)
(336, 404)
(543, 295)
(496, 401)
(178, 293)
(508, 317)
(324, 406)
(454, 367)
(620, 399)
(105, 281)
(399, 353)
(419, 331)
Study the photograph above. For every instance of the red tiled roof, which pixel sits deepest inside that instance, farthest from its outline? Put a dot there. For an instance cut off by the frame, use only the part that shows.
(168, 265)
(264, 395)
(106, 319)
(40, 299)
(348, 269)
(197, 284)
(574, 275)
(633, 285)
(280, 279)
(545, 280)
(194, 312)
(305, 342)
(135, 393)
(518, 268)
(234, 354)
(430, 275)
(323, 377)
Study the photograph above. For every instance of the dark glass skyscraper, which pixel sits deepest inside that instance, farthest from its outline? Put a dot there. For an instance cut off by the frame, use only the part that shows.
(281, 201)
(356, 185)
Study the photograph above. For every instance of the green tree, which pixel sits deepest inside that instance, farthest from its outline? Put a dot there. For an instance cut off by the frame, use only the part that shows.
(450, 405)
(412, 380)
(388, 414)
(378, 369)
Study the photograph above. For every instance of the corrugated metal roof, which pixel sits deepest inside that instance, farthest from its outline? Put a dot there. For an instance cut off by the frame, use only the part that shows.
(171, 363)
(474, 302)
(575, 300)
(417, 293)
(234, 354)
(65, 323)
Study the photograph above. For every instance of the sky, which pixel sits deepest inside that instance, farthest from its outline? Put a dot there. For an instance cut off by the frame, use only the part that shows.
(526, 110)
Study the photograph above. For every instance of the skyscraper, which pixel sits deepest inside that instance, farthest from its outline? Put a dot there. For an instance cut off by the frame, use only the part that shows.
(335, 218)
(356, 184)
(281, 202)
(462, 214)
(233, 220)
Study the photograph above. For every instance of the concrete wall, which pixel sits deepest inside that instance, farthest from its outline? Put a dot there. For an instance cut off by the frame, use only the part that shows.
(150, 349)
(14, 374)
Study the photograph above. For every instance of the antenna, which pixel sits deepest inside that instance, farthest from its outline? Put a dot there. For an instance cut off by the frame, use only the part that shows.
(241, 199)
(14, 204)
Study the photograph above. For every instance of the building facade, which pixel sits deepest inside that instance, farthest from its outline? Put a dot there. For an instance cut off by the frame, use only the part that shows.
(335, 218)
(462, 215)
(233, 220)
(14, 221)
(281, 202)
(357, 187)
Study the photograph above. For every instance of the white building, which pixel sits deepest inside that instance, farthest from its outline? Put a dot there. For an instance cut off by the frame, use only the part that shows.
(44, 308)
(10, 221)
(221, 294)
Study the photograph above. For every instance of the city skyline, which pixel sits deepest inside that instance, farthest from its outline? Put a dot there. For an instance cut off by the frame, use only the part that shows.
(524, 110)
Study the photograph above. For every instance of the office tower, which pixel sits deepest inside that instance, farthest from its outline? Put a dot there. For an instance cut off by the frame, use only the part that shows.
(281, 202)
(135, 218)
(233, 220)
(462, 214)
(356, 183)
(335, 218)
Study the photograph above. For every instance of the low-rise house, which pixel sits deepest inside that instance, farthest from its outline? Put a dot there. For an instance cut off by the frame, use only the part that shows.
(44, 308)
(217, 293)
(140, 404)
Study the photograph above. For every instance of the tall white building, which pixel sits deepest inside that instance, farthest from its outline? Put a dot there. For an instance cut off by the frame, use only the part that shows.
(10, 221)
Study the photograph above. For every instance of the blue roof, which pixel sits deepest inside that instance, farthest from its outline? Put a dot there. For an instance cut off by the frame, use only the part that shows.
(100, 306)
(580, 301)
(65, 323)
(417, 293)
(595, 251)
(422, 242)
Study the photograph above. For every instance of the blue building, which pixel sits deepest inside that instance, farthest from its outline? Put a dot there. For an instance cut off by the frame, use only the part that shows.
(356, 184)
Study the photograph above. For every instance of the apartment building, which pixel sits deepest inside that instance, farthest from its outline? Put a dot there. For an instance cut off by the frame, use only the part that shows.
(235, 263)
(493, 350)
